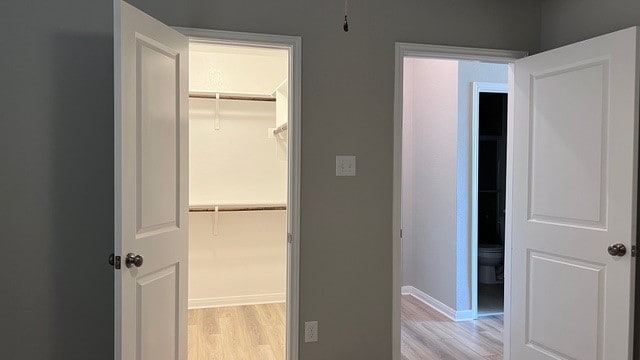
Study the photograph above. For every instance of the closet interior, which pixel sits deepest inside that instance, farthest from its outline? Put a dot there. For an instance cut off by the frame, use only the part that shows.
(238, 110)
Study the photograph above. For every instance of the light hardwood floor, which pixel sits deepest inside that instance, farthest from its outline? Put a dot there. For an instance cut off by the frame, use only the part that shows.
(429, 335)
(237, 333)
(258, 332)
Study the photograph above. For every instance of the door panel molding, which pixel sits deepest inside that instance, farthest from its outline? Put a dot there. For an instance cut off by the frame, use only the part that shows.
(589, 203)
(150, 186)
(574, 194)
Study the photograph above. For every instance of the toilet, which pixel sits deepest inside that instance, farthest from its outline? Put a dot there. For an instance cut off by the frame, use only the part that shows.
(490, 263)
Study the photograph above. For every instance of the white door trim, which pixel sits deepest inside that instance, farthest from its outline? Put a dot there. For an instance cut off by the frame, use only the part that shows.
(403, 50)
(294, 46)
(478, 87)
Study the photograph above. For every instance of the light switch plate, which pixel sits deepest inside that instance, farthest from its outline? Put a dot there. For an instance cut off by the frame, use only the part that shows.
(345, 165)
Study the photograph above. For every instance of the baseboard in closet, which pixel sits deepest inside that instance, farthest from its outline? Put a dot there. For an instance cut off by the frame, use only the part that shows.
(455, 315)
(237, 300)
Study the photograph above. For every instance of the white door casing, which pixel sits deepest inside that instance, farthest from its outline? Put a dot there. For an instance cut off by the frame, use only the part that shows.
(574, 194)
(151, 185)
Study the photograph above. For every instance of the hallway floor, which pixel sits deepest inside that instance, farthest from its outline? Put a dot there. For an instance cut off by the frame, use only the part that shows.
(258, 332)
(429, 335)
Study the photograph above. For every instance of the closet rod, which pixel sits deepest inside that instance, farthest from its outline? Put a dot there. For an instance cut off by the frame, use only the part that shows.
(232, 97)
(238, 208)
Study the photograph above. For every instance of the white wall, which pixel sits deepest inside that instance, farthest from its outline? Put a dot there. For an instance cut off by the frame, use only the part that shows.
(432, 213)
(239, 162)
(245, 263)
(436, 171)
(282, 103)
(407, 173)
(468, 73)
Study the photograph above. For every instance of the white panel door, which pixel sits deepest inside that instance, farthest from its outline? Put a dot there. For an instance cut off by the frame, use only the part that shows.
(151, 179)
(574, 194)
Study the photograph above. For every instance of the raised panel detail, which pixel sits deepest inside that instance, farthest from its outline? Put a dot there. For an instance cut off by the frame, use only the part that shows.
(156, 294)
(566, 323)
(568, 173)
(158, 117)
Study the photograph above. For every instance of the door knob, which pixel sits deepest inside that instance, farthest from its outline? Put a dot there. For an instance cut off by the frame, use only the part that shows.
(617, 250)
(133, 260)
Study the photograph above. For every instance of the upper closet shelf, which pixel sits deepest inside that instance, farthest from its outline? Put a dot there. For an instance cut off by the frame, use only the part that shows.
(238, 207)
(231, 96)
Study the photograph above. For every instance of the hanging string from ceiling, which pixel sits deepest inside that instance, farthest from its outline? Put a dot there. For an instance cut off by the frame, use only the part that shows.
(345, 27)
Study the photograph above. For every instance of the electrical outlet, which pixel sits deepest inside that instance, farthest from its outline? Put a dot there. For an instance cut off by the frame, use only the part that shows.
(345, 165)
(310, 331)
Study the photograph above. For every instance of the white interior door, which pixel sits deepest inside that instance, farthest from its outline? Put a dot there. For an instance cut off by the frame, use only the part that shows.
(574, 194)
(151, 179)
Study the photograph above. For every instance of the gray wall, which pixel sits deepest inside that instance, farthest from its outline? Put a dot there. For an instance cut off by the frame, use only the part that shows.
(568, 21)
(56, 155)
(56, 187)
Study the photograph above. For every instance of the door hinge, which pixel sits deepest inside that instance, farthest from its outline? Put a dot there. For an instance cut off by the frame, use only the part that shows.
(633, 251)
(115, 261)
(290, 238)
(400, 233)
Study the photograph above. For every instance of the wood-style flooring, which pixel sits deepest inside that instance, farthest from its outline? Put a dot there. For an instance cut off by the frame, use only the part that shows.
(253, 332)
(258, 332)
(429, 335)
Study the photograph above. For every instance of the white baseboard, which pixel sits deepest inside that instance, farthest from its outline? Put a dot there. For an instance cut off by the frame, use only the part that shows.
(455, 315)
(464, 315)
(237, 300)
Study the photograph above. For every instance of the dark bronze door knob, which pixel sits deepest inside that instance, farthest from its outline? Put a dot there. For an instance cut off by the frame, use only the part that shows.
(133, 260)
(617, 250)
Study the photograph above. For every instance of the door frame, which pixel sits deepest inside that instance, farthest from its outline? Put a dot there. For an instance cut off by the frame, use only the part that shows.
(478, 87)
(293, 44)
(402, 51)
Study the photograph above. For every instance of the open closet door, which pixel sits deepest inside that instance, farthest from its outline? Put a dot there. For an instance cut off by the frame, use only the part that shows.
(151, 193)
(575, 156)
